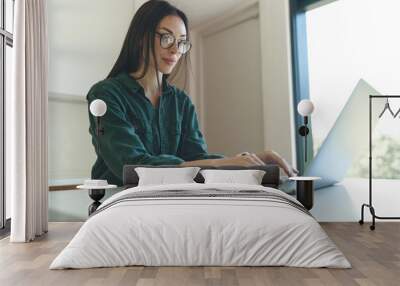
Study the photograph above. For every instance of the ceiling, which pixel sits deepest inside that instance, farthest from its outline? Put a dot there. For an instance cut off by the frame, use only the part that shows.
(202, 11)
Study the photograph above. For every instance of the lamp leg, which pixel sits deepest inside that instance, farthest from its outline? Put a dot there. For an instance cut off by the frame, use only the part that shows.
(98, 126)
(305, 137)
(305, 148)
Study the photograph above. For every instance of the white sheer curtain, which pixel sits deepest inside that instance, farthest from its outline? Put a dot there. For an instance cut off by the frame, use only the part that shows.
(26, 123)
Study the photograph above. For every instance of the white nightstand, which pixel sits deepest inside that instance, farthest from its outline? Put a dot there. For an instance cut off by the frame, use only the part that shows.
(96, 193)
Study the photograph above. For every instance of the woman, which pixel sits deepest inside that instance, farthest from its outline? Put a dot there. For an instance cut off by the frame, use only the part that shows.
(148, 121)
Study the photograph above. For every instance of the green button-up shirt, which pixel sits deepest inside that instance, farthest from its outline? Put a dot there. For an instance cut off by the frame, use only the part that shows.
(136, 132)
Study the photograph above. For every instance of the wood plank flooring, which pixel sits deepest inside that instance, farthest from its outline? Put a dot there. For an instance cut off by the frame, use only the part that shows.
(375, 257)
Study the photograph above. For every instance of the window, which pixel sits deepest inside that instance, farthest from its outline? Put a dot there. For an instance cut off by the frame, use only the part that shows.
(346, 40)
(6, 44)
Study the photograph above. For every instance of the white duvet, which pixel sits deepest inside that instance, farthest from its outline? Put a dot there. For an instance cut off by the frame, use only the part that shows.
(200, 231)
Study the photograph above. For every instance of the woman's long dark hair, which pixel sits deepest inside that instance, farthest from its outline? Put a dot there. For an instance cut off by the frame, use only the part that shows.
(139, 41)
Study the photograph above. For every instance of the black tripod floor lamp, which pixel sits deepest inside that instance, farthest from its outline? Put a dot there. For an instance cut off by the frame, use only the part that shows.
(394, 115)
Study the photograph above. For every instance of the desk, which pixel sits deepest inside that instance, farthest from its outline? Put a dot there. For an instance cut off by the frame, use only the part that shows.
(96, 193)
(64, 184)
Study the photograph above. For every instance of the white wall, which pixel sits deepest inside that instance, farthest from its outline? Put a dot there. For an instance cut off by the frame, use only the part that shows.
(232, 87)
(85, 38)
(276, 79)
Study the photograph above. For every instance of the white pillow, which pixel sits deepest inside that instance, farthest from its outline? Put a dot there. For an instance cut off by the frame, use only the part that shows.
(162, 176)
(248, 177)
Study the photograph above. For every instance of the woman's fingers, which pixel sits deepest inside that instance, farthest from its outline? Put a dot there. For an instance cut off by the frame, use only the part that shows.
(257, 159)
(290, 171)
(241, 159)
(245, 160)
(251, 160)
(285, 166)
(270, 156)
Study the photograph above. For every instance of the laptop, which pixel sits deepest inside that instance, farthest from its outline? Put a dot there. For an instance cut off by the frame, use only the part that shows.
(348, 136)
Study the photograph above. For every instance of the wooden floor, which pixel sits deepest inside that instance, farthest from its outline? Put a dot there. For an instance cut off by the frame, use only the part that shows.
(375, 257)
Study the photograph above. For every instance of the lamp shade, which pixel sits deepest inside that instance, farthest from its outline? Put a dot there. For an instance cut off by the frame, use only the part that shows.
(305, 107)
(98, 107)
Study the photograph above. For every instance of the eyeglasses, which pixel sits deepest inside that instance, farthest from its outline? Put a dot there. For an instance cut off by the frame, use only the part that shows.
(167, 40)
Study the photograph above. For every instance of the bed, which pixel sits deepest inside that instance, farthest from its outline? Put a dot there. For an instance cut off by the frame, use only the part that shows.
(201, 224)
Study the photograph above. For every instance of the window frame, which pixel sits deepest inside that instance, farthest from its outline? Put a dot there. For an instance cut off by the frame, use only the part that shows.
(6, 39)
(300, 75)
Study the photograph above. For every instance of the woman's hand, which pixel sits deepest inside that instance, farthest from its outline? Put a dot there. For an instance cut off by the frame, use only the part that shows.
(272, 157)
(253, 156)
(246, 160)
(238, 160)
